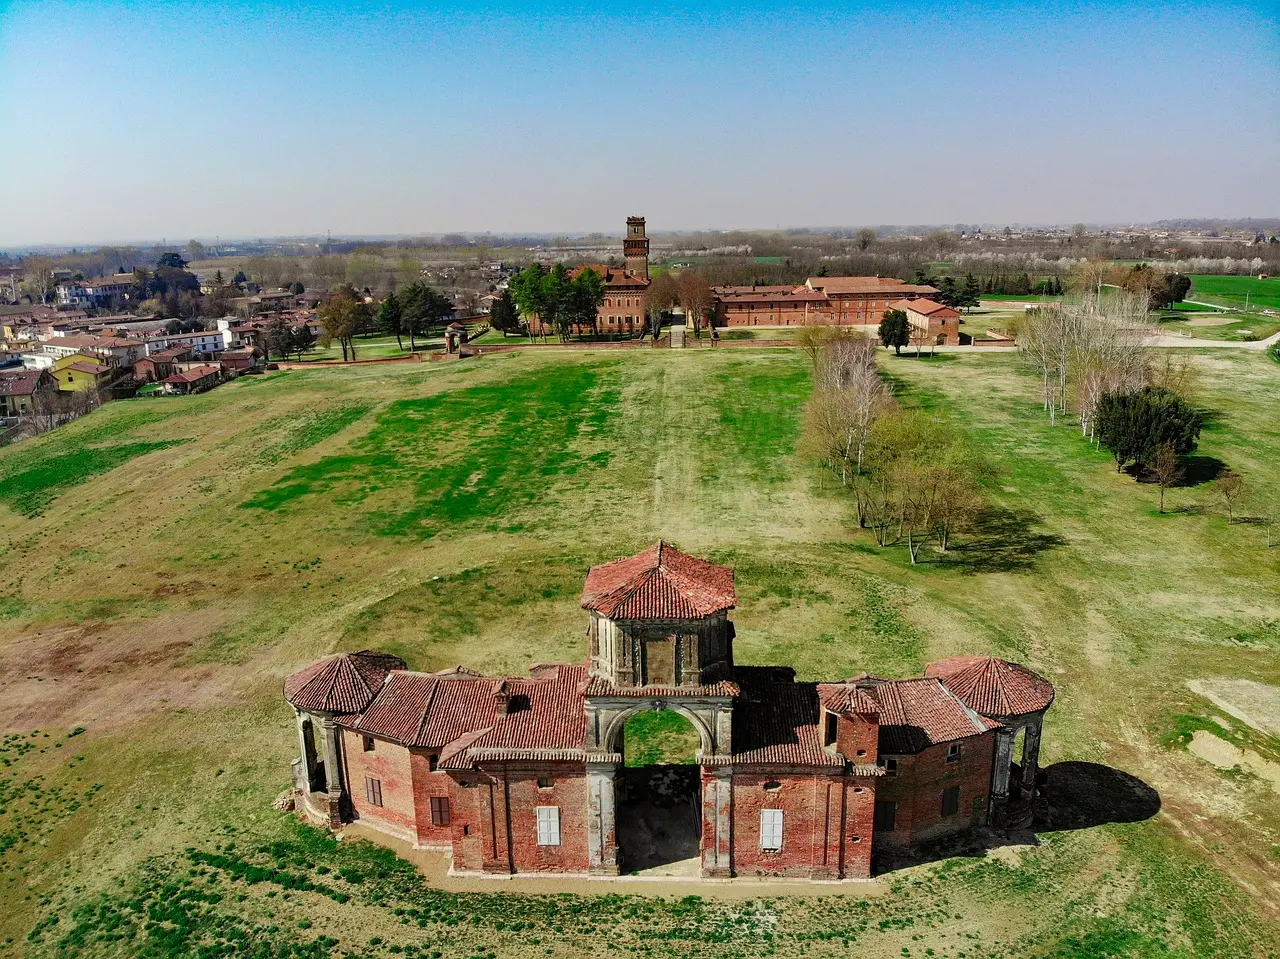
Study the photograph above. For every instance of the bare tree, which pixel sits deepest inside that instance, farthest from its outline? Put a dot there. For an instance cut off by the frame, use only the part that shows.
(695, 297)
(1231, 488)
(1167, 469)
(659, 298)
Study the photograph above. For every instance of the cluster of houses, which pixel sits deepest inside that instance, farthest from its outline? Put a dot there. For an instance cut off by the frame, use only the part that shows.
(47, 352)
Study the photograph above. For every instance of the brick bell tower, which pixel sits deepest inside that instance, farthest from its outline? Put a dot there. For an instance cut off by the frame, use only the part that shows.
(635, 247)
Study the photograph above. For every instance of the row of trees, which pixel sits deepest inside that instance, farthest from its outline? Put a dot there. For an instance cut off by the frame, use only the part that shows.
(284, 340)
(562, 302)
(913, 479)
(415, 311)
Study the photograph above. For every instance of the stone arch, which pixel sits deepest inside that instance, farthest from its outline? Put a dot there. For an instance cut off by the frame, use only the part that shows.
(617, 721)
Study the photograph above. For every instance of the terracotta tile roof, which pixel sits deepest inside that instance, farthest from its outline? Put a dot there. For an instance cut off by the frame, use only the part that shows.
(84, 366)
(925, 308)
(778, 722)
(836, 285)
(460, 711)
(19, 382)
(614, 278)
(767, 294)
(847, 697)
(193, 375)
(343, 683)
(921, 712)
(172, 353)
(660, 583)
(994, 687)
(602, 687)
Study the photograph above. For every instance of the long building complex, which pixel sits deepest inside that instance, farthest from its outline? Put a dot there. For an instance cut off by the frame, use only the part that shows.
(798, 779)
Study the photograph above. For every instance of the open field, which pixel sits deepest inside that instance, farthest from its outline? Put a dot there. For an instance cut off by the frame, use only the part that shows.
(164, 565)
(1232, 290)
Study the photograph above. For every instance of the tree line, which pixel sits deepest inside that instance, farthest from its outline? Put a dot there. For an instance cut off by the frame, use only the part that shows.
(913, 479)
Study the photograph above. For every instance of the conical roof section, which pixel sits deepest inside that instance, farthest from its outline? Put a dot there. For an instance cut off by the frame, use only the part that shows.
(660, 583)
(341, 683)
(994, 687)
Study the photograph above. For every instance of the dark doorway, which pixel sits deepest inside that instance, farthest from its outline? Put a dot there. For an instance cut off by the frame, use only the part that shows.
(659, 811)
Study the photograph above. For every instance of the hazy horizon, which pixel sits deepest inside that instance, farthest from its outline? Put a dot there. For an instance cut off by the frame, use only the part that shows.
(251, 120)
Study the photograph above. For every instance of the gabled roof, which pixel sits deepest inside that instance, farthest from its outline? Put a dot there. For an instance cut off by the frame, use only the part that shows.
(925, 308)
(864, 284)
(994, 687)
(922, 712)
(660, 583)
(20, 382)
(84, 366)
(614, 277)
(193, 375)
(458, 713)
(342, 683)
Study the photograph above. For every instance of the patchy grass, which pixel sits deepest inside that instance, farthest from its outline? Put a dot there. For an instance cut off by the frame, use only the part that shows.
(663, 737)
(449, 513)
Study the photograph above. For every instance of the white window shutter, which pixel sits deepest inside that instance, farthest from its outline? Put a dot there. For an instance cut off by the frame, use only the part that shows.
(548, 825)
(771, 829)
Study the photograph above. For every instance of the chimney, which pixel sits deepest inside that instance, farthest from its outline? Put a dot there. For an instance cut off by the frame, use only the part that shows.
(501, 698)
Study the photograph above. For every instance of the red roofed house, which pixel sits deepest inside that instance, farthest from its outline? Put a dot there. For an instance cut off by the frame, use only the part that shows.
(19, 390)
(526, 774)
(935, 323)
(193, 380)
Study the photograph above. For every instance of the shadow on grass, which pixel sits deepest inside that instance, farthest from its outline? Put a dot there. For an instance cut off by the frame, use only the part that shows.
(1002, 541)
(1201, 469)
(1070, 795)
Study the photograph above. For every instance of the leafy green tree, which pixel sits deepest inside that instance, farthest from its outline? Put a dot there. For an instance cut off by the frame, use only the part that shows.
(527, 289)
(1133, 426)
(171, 260)
(584, 299)
(341, 315)
(423, 307)
(895, 330)
(505, 315)
(297, 289)
(865, 237)
(390, 318)
(948, 295)
(970, 294)
(277, 337)
(555, 301)
(301, 340)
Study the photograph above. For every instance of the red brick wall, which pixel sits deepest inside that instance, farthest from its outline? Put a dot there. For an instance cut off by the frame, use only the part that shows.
(826, 824)
(918, 787)
(427, 784)
(390, 764)
(495, 826)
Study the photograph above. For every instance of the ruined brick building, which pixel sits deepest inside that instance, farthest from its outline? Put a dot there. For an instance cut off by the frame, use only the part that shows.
(526, 774)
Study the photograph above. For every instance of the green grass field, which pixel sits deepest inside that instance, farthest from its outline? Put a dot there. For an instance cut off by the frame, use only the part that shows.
(1232, 290)
(164, 564)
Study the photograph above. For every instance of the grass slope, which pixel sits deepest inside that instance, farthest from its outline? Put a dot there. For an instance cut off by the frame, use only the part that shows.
(149, 612)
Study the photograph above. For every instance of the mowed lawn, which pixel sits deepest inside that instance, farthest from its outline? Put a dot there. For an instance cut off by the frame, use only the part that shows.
(165, 563)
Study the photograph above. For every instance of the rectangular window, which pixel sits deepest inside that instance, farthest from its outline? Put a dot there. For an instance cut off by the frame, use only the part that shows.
(833, 724)
(953, 753)
(368, 744)
(373, 791)
(950, 800)
(433, 762)
(771, 829)
(548, 825)
(891, 767)
(439, 810)
(886, 815)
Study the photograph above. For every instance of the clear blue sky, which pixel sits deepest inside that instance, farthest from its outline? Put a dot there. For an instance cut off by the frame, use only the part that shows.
(146, 119)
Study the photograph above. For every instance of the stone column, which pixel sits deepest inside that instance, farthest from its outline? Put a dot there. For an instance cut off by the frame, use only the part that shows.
(717, 822)
(332, 771)
(1031, 756)
(1000, 775)
(602, 838)
(306, 771)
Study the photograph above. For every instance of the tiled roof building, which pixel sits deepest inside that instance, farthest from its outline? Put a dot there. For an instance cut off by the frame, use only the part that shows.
(526, 774)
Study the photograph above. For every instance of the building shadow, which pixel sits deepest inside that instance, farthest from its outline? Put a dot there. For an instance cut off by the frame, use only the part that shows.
(1002, 541)
(658, 818)
(1069, 795)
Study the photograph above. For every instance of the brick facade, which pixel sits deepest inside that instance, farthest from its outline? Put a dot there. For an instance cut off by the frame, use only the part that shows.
(820, 301)
(800, 780)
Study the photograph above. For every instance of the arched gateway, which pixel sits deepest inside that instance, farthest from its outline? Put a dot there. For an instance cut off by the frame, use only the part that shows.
(521, 774)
